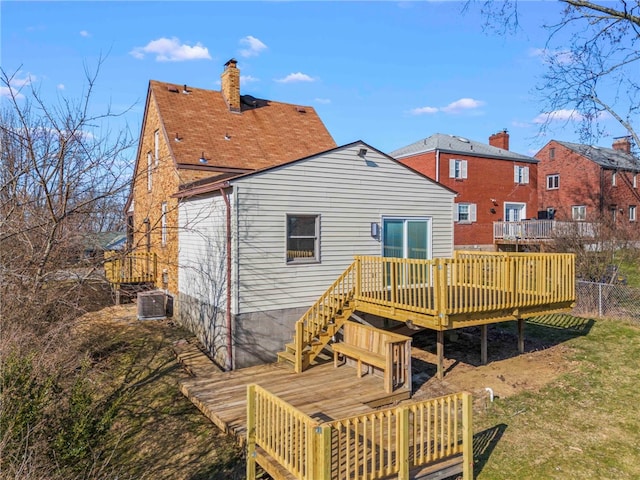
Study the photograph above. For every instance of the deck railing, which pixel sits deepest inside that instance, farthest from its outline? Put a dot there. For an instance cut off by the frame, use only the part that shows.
(527, 230)
(468, 283)
(323, 311)
(370, 446)
(130, 268)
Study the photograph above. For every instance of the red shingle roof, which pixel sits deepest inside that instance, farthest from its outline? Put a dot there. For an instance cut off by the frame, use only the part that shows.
(264, 134)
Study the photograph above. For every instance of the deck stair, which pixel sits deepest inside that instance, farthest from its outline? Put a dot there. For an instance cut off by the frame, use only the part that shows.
(321, 322)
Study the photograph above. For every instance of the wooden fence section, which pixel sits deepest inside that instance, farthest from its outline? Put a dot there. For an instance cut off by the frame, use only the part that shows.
(130, 268)
(427, 436)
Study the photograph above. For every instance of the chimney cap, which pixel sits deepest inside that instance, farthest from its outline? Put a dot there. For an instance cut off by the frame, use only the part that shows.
(231, 61)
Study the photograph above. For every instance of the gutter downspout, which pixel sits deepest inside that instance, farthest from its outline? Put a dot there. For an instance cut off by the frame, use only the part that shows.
(229, 365)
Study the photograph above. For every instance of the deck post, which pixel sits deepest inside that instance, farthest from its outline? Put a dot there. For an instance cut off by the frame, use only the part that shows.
(251, 432)
(322, 453)
(521, 335)
(440, 353)
(467, 437)
(402, 414)
(483, 344)
(299, 346)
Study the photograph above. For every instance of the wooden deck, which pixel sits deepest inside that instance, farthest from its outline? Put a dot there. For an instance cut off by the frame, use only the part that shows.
(322, 392)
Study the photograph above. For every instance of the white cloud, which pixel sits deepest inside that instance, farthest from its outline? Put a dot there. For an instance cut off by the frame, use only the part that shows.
(557, 115)
(171, 50)
(458, 106)
(323, 101)
(60, 86)
(296, 77)
(461, 105)
(424, 110)
(244, 79)
(84, 33)
(561, 57)
(15, 84)
(254, 46)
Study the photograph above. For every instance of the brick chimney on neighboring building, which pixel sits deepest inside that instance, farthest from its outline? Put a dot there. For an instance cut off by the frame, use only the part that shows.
(622, 144)
(230, 80)
(500, 140)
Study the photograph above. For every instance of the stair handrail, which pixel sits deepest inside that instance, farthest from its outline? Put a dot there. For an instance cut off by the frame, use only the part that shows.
(313, 322)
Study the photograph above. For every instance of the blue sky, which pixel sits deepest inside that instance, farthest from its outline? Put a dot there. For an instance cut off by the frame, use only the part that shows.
(387, 73)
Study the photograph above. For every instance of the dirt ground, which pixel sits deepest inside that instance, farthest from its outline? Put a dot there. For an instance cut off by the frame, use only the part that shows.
(507, 372)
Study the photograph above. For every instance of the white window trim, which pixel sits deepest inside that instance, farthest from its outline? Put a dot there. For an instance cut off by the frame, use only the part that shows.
(557, 181)
(163, 224)
(156, 146)
(579, 217)
(633, 213)
(614, 179)
(303, 260)
(521, 174)
(149, 172)
(472, 211)
(461, 168)
(635, 180)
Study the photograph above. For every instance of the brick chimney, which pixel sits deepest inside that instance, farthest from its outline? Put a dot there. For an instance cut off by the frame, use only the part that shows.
(622, 144)
(230, 80)
(500, 140)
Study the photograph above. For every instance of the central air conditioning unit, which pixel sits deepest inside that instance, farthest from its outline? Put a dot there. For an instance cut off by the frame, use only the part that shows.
(152, 305)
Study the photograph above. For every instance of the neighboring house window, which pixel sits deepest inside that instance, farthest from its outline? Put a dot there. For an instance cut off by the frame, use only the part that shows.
(635, 180)
(156, 146)
(520, 174)
(579, 213)
(457, 168)
(465, 212)
(614, 213)
(553, 182)
(303, 235)
(552, 153)
(614, 179)
(149, 168)
(632, 213)
(163, 224)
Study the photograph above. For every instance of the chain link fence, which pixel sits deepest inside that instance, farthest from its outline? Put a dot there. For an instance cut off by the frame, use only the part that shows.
(607, 300)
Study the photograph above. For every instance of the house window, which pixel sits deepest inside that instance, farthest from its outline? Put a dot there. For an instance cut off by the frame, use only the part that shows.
(303, 235)
(465, 212)
(552, 153)
(156, 146)
(614, 179)
(553, 182)
(635, 180)
(163, 224)
(579, 213)
(149, 167)
(520, 174)
(457, 168)
(632, 213)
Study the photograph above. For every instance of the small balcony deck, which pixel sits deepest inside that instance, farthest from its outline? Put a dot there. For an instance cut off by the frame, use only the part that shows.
(130, 268)
(536, 232)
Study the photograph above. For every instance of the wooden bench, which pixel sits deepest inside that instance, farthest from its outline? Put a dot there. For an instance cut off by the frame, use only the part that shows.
(378, 349)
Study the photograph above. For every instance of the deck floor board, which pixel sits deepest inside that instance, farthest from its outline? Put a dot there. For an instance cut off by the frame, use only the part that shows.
(322, 392)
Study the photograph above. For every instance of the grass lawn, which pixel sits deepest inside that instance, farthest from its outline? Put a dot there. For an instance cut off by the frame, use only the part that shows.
(584, 425)
(158, 433)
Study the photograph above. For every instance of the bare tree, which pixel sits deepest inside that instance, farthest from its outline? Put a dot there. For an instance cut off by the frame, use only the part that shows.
(63, 175)
(593, 59)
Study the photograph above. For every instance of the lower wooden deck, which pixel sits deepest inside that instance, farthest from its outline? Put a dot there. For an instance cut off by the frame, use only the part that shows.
(323, 391)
